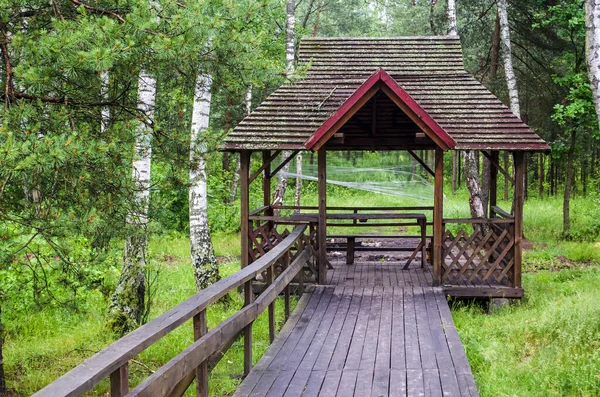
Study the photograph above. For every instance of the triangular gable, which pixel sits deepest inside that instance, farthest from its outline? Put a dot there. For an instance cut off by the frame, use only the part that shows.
(380, 80)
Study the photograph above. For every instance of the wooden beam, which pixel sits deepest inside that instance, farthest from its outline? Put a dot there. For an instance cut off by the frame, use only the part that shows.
(497, 165)
(265, 165)
(416, 157)
(493, 197)
(245, 206)
(322, 220)
(438, 215)
(119, 381)
(283, 163)
(519, 161)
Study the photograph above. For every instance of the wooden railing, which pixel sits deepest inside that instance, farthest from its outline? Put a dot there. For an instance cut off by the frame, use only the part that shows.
(174, 378)
(484, 256)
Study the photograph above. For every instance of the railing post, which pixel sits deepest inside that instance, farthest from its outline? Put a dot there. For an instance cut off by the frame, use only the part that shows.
(271, 306)
(200, 329)
(119, 381)
(438, 214)
(248, 297)
(286, 290)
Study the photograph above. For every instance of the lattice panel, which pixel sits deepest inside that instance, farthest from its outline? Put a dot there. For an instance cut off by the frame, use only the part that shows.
(263, 238)
(485, 256)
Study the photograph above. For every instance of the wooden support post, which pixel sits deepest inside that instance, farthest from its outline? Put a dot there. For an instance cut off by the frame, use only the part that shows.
(438, 214)
(267, 182)
(245, 257)
(322, 225)
(350, 245)
(493, 197)
(245, 206)
(200, 329)
(519, 160)
(119, 381)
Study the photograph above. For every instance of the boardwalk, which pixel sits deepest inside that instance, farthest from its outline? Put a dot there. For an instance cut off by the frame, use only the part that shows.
(376, 330)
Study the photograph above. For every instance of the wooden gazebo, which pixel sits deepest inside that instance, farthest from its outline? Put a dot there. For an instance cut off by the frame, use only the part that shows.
(399, 93)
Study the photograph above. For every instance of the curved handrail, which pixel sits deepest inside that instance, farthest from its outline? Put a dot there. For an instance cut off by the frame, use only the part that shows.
(86, 375)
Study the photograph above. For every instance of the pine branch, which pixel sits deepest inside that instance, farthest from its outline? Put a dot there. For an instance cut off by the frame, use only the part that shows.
(99, 10)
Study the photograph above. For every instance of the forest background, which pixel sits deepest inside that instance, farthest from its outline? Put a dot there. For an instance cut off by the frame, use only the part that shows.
(74, 119)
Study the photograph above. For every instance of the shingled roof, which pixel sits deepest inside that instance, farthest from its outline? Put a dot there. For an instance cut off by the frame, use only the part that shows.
(423, 76)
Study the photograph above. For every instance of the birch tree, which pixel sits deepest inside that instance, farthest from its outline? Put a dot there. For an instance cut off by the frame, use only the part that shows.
(592, 45)
(127, 303)
(204, 262)
(452, 25)
(511, 79)
(279, 193)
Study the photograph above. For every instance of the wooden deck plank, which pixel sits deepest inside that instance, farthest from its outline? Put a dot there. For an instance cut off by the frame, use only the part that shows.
(398, 353)
(369, 352)
(347, 383)
(331, 384)
(324, 357)
(302, 311)
(384, 338)
(294, 359)
(339, 303)
(390, 335)
(338, 358)
(398, 383)
(298, 383)
(381, 383)
(364, 383)
(360, 331)
(313, 386)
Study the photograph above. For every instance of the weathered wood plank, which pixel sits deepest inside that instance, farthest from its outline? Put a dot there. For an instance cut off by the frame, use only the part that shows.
(398, 354)
(364, 383)
(398, 383)
(369, 352)
(313, 386)
(381, 383)
(347, 383)
(384, 344)
(298, 383)
(360, 331)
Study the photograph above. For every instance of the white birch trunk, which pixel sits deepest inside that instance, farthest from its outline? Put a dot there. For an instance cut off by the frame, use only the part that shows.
(127, 304)
(298, 194)
(451, 12)
(279, 194)
(204, 262)
(592, 25)
(511, 79)
(290, 51)
(105, 111)
(476, 199)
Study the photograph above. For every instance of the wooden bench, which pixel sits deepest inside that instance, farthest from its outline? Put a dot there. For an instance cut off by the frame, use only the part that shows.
(405, 220)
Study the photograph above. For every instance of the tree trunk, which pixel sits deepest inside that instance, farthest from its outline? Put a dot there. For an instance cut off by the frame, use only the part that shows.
(298, 181)
(511, 79)
(126, 308)
(506, 187)
(454, 170)
(432, 16)
(204, 262)
(105, 111)
(476, 202)
(451, 12)
(495, 49)
(485, 183)
(592, 41)
(290, 51)
(568, 183)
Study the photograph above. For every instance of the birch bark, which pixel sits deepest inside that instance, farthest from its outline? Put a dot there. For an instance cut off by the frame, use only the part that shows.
(511, 79)
(279, 194)
(204, 262)
(592, 39)
(127, 304)
(105, 111)
(451, 12)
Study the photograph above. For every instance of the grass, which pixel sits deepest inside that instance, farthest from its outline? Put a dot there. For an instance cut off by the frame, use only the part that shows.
(546, 345)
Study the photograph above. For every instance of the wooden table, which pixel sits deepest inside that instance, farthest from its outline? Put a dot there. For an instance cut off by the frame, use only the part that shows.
(362, 220)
